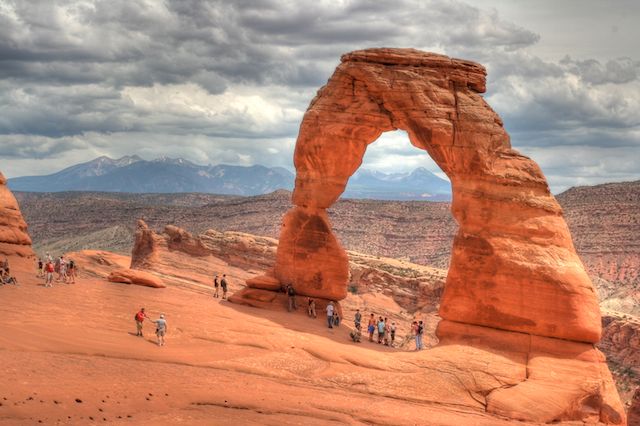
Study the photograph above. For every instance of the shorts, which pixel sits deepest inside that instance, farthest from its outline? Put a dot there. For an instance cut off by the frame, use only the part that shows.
(371, 329)
(160, 332)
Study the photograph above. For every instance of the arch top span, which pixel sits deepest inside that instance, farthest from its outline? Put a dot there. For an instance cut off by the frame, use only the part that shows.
(513, 264)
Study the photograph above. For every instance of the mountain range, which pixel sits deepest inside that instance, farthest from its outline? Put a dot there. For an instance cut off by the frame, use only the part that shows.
(175, 175)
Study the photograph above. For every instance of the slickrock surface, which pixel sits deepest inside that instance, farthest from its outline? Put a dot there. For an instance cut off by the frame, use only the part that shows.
(14, 239)
(267, 366)
(513, 264)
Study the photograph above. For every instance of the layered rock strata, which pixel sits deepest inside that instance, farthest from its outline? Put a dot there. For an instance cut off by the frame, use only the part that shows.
(14, 239)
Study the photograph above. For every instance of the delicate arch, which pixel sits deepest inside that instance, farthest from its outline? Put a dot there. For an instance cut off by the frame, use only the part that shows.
(513, 264)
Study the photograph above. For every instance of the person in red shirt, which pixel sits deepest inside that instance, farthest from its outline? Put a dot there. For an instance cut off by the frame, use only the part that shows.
(49, 268)
(139, 317)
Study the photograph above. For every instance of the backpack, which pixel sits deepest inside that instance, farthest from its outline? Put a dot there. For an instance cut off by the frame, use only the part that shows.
(420, 329)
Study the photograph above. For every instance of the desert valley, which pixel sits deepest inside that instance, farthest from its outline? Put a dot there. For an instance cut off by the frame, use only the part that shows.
(529, 301)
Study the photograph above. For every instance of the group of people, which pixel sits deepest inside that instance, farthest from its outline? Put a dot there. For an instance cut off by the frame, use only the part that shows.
(64, 268)
(161, 325)
(333, 319)
(5, 275)
(218, 284)
(385, 329)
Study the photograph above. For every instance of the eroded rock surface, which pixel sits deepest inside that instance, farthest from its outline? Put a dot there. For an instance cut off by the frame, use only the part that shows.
(132, 276)
(14, 239)
(515, 281)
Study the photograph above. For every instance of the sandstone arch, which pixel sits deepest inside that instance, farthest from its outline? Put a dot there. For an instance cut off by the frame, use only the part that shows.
(513, 263)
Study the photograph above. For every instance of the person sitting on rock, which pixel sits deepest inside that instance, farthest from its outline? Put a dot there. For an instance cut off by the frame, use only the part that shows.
(311, 309)
(356, 335)
(6, 278)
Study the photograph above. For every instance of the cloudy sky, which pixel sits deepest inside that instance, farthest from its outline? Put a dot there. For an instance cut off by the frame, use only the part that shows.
(228, 81)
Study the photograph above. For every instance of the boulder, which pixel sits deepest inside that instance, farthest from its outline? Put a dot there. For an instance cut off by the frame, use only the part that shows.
(132, 276)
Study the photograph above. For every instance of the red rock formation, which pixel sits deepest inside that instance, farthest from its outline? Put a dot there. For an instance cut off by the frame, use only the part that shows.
(14, 239)
(131, 276)
(515, 279)
(513, 264)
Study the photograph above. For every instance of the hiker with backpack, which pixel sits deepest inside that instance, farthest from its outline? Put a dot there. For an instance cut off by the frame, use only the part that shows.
(223, 284)
(139, 318)
(291, 295)
(161, 328)
(216, 286)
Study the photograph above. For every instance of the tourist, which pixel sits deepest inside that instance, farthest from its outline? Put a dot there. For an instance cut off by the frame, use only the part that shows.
(414, 332)
(40, 268)
(291, 294)
(419, 334)
(57, 267)
(387, 331)
(6, 278)
(311, 307)
(357, 319)
(356, 335)
(371, 327)
(49, 268)
(216, 286)
(223, 284)
(161, 329)
(63, 270)
(71, 272)
(139, 317)
(380, 330)
(393, 333)
(336, 319)
(330, 310)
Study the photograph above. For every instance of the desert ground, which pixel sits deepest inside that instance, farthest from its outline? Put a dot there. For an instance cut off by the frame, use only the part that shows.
(69, 355)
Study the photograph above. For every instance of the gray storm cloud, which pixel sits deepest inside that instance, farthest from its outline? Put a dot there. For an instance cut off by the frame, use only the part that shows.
(217, 81)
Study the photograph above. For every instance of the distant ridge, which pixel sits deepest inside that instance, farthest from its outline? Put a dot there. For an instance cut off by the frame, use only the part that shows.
(132, 174)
